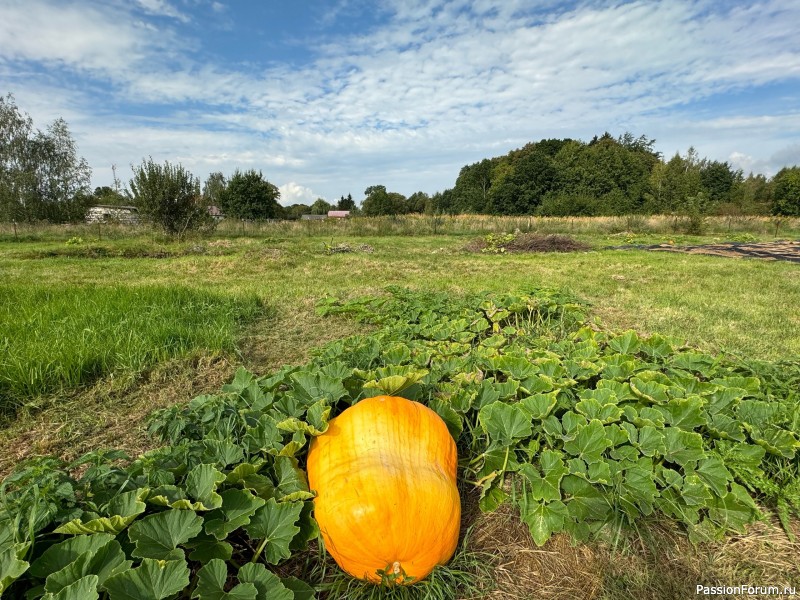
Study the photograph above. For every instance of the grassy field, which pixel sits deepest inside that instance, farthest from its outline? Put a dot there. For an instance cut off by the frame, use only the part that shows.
(102, 282)
(58, 338)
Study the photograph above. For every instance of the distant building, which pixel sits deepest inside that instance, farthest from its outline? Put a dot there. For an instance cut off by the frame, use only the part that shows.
(338, 214)
(215, 213)
(106, 213)
(313, 217)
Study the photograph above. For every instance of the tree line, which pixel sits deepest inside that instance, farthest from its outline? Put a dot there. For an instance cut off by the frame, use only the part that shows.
(613, 176)
(42, 178)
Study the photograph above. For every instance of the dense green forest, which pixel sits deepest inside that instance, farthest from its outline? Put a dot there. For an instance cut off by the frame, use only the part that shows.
(42, 178)
(613, 176)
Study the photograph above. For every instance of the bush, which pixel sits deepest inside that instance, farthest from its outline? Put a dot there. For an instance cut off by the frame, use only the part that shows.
(169, 196)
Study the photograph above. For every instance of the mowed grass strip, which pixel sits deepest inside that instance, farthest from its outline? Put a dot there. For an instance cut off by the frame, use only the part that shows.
(52, 339)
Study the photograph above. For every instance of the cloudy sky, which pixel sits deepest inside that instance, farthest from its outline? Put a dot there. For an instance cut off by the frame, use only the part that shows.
(329, 97)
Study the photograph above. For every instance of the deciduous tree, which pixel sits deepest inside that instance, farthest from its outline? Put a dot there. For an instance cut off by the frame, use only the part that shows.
(169, 196)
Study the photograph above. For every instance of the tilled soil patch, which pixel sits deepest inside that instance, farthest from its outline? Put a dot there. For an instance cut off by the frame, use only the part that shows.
(779, 250)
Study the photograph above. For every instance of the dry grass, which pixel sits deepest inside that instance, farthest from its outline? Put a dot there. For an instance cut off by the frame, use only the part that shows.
(533, 242)
(109, 414)
(112, 412)
(522, 571)
(657, 562)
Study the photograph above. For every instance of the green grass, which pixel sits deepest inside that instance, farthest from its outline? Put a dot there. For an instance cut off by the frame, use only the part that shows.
(55, 338)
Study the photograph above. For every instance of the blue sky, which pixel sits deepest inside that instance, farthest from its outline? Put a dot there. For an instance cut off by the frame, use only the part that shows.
(328, 98)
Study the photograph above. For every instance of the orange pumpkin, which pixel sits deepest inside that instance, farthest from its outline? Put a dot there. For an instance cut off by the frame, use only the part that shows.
(385, 477)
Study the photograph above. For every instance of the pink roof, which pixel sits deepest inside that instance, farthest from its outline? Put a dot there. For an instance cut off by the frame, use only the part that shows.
(338, 213)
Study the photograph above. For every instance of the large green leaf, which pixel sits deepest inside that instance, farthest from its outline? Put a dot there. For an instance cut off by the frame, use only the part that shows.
(211, 580)
(649, 391)
(300, 589)
(103, 562)
(605, 413)
(205, 547)
(158, 536)
(237, 508)
(449, 415)
(650, 441)
(686, 413)
(201, 484)
(221, 452)
(121, 511)
(540, 405)
(309, 388)
(584, 500)
(682, 447)
(695, 492)
(263, 436)
(11, 567)
(543, 518)
(516, 367)
(735, 510)
(713, 472)
(775, 440)
(267, 584)
(395, 385)
(505, 424)
(274, 525)
(291, 481)
(589, 443)
(545, 486)
(152, 580)
(625, 343)
(84, 588)
(58, 556)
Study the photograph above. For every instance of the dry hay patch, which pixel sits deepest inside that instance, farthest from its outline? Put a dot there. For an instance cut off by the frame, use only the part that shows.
(111, 413)
(528, 242)
(654, 562)
(521, 570)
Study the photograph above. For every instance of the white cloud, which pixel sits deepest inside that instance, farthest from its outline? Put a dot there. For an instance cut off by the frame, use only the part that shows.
(163, 8)
(294, 193)
(102, 41)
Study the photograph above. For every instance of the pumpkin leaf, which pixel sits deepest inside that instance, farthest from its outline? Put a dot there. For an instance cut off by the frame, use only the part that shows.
(211, 579)
(158, 536)
(237, 508)
(394, 385)
(540, 405)
(626, 343)
(686, 413)
(274, 525)
(300, 589)
(268, 585)
(263, 436)
(505, 424)
(589, 443)
(292, 483)
(683, 447)
(543, 518)
(122, 511)
(58, 556)
(585, 501)
(102, 562)
(450, 417)
(11, 567)
(545, 486)
(84, 588)
(152, 580)
(205, 547)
